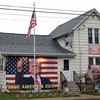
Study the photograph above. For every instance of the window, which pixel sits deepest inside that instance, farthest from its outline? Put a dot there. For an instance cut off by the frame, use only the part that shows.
(96, 34)
(66, 64)
(90, 61)
(90, 35)
(93, 36)
(94, 60)
(97, 60)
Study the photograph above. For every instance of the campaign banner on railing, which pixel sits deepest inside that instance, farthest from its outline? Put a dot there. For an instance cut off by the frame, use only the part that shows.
(20, 73)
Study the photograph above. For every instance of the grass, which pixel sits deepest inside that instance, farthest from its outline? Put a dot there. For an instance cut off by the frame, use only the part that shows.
(93, 92)
(13, 96)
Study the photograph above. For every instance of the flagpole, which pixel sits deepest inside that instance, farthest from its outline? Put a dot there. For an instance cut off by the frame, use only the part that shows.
(34, 52)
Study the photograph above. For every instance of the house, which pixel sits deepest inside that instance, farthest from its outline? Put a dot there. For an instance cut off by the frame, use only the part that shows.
(72, 46)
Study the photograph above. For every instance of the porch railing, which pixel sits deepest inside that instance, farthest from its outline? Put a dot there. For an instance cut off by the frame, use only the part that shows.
(63, 80)
(77, 79)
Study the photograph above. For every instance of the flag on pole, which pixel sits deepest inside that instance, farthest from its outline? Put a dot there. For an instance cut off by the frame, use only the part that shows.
(33, 23)
(89, 72)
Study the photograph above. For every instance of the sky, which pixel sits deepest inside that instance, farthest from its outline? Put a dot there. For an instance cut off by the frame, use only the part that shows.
(14, 21)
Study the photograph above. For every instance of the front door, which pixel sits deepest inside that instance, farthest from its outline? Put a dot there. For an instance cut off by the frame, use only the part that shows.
(66, 69)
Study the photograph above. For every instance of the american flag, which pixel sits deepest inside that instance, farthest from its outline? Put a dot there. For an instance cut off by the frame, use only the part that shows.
(89, 72)
(49, 69)
(33, 23)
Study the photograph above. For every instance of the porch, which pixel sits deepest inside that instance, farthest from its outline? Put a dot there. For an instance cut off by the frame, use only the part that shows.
(80, 83)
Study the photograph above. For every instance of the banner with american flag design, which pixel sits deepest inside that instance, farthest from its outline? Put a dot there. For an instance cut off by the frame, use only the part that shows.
(49, 70)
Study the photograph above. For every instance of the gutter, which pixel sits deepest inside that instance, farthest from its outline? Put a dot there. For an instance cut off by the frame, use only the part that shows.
(39, 54)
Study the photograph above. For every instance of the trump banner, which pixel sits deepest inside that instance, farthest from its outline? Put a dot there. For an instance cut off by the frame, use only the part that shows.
(23, 74)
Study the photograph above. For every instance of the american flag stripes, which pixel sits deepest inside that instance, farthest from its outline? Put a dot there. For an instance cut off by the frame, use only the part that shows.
(33, 23)
(89, 72)
(49, 69)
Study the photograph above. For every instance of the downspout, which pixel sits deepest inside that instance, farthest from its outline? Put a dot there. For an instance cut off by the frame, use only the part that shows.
(80, 51)
(80, 67)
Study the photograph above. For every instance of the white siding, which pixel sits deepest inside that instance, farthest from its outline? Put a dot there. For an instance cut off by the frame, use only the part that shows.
(3, 74)
(61, 41)
(80, 44)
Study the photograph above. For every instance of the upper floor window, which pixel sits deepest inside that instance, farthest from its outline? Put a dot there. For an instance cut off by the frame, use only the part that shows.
(90, 35)
(93, 36)
(96, 34)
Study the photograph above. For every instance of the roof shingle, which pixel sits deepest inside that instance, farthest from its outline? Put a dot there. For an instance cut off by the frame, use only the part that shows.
(19, 44)
(71, 25)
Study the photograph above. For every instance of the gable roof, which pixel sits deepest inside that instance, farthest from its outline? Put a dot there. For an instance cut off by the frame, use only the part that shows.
(18, 44)
(71, 25)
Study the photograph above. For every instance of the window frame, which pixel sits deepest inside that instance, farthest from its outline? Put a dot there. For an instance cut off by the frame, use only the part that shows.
(90, 36)
(66, 69)
(94, 60)
(93, 36)
(96, 36)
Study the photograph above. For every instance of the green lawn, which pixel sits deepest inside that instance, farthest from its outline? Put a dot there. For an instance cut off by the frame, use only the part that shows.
(13, 96)
(94, 92)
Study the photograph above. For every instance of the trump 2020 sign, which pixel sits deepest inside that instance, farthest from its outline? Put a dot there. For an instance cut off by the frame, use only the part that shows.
(20, 73)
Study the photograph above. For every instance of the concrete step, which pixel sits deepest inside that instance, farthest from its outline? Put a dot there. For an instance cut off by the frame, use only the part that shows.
(72, 86)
